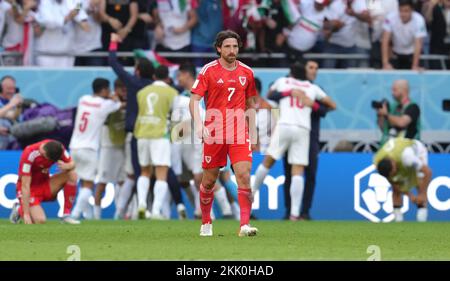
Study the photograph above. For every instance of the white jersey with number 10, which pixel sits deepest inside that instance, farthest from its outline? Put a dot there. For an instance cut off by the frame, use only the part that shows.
(292, 111)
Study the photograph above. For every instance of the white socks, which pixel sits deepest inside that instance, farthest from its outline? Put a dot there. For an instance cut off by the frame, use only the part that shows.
(297, 187)
(260, 175)
(123, 197)
(161, 193)
(97, 212)
(82, 204)
(422, 214)
(398, 216)
(222, 200)
(143, 185)
(196, 195)
(166, 206)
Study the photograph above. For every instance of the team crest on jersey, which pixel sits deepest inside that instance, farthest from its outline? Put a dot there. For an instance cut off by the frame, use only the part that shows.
(242, 80)
(208, 159)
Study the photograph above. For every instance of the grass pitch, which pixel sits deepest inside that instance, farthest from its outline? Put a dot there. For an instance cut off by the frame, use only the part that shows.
(180, 240)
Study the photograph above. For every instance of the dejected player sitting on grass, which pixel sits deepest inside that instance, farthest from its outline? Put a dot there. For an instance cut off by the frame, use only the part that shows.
(35, 185)
(404, 163)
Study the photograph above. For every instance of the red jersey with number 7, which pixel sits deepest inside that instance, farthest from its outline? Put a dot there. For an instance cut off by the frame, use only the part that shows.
(225, 91)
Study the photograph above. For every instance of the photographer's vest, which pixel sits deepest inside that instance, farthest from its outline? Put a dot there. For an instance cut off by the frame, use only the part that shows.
(391, 132)
(406, 177)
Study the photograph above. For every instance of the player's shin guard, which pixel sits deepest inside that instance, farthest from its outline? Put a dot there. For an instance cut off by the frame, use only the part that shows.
(260, 175)
(143, 185)
(206, 201)
(161, 193)
(297, 187)
(245, 203)
(70, 191)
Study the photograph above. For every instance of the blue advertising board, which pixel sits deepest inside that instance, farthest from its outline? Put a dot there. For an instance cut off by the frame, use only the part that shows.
(347, 189)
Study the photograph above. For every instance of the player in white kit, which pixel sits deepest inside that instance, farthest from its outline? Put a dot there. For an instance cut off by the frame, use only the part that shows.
(92, 112)
(292, 130)
(114, 161)
(186, 149)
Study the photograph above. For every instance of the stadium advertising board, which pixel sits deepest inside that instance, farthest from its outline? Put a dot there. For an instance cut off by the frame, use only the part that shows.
(348, 188)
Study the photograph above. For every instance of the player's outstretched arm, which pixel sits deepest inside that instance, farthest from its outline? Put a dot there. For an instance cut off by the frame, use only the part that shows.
(327, 101)
(26, 183)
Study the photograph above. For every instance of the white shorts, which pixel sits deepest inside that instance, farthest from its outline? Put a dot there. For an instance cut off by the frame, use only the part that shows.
(128, 164)
(86, 162)
(155, 152)
(295, 139)
(190, 155)
(422, 152)
(111, 164)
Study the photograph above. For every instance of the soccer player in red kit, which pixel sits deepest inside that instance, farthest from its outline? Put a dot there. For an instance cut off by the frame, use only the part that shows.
(228, 87)
(35, 184)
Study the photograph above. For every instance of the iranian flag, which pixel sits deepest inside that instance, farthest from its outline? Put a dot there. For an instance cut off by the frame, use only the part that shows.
(156, 59)
(291, 9)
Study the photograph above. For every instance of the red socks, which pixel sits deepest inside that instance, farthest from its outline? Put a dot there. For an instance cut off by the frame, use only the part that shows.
(206, 201)
(70, 191)
(245, 203)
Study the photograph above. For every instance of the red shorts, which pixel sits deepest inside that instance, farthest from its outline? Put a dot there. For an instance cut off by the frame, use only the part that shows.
(215, 155)
(38, 193)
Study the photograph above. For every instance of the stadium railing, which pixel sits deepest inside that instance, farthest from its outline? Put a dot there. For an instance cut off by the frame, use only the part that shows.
(255, 56)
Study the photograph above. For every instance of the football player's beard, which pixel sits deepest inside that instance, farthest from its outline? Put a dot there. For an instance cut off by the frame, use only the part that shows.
(230, 58)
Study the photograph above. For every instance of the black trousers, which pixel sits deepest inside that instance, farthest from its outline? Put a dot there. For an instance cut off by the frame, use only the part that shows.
(310, 180)
(403, 61)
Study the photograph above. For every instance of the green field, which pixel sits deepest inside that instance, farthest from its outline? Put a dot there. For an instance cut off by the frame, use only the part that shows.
(179, 240)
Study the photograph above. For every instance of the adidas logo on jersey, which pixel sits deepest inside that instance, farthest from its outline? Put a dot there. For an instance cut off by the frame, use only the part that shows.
(220, 81)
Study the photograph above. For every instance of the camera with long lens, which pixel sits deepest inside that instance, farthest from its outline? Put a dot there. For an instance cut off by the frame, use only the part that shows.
(379, 104)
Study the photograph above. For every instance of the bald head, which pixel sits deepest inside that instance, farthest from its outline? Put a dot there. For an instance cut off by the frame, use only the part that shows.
(400, 90)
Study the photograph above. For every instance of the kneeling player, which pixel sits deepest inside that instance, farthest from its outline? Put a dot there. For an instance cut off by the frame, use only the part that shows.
(35, 185)
(404, 163)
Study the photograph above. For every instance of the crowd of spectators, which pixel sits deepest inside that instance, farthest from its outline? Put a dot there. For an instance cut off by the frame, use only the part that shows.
(53, 32)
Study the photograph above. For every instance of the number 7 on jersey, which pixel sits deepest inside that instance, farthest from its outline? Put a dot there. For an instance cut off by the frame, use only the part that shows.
(231, 90)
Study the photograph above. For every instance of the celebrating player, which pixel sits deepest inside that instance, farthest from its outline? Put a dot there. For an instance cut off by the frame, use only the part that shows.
(292, 131)
(404, 163)
(228, 87)
(92, 112)
(35, 185)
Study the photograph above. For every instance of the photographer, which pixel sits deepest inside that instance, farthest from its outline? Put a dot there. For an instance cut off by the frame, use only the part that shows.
(10, 102)
(401, 118)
